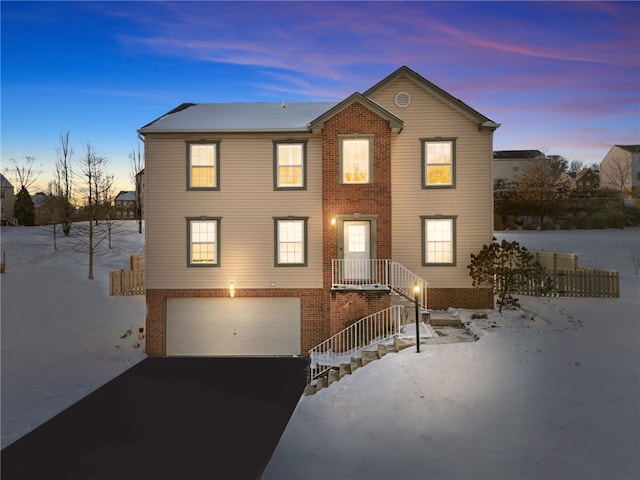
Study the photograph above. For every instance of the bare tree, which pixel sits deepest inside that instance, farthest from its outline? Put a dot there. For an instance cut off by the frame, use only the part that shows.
(25, 172)
(96, 183)
(63, 182)
(136, 160)
(617, 175)
(543, 185)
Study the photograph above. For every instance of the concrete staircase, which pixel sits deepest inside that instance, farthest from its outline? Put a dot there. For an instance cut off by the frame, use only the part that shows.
(367, 356)
(444, 323)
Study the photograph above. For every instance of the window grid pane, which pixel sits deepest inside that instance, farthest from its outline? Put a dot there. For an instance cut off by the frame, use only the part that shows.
(439, 241)
(355, 160)
(357, 241)
(438, 163)
(290, 164)
(203, 161)
(203, 241)
(290, 241)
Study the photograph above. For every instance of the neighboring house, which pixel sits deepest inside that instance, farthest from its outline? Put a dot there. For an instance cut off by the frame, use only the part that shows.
(508, 164)
(125, 206)
(620, 168)
(7, 201)
(272, 226)
(587, 180)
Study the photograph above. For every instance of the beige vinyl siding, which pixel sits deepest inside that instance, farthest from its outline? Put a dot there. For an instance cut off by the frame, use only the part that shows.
(246, 204)
(471, 200)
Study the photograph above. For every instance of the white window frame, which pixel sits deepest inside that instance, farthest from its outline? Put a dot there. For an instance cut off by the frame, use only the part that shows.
(195, 160)
(347, 164)
(434, 249)
(285, 248)
(278, 166)
(210, 237)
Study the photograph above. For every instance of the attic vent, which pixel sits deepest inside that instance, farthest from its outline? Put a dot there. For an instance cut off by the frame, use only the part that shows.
(403, 99)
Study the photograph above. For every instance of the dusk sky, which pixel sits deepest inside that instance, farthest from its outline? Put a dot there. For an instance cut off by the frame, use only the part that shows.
(560, 77)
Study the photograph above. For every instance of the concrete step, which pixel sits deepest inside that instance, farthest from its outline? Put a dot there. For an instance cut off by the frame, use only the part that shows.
(334, 376)
(345, 369)
(369, 356)
(356, 363)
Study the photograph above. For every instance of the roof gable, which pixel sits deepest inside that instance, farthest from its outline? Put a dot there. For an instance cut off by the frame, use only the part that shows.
(395, 123)
(484, 122)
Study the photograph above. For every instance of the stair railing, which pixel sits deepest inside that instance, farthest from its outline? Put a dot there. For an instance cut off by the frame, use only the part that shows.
(403, 281)
(349, 343)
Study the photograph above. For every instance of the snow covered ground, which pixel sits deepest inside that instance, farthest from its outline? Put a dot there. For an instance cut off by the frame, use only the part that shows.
(60, 332)
(551, 391)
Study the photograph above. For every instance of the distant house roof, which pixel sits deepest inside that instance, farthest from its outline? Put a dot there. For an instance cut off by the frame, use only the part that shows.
(238, 117)
(40, 199)
(519, 154)
(4, 183)
(126, 197)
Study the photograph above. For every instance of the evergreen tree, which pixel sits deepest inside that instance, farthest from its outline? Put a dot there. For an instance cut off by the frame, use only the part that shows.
(506, 267)
(24, 210)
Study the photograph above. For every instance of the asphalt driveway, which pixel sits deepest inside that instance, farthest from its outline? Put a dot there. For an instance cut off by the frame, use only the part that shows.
(168, 418)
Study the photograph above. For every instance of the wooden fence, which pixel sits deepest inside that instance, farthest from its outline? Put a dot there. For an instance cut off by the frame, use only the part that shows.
(582, 282)
(128, 282)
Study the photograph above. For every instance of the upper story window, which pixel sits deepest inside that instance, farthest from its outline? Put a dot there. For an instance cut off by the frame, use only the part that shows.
(439, 234)
(356, 159)
(203, 165)
(438, 163)
(204, 241)
(291, 241)
(290, 164)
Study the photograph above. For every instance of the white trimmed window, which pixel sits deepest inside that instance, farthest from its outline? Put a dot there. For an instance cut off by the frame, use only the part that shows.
(204, 241)
(289, 165)
(439, 234)
(203, 165)
(438, 163)
(356, 160)
(291, 240)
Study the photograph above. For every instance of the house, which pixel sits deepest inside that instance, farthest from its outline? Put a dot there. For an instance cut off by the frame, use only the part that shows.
(7, 201)
(508, 164)
(587, 180)
(126, 205)
(620, 168)
(272, 226)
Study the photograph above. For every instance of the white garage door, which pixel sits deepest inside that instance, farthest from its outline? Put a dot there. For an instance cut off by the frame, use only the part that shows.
(233, 326)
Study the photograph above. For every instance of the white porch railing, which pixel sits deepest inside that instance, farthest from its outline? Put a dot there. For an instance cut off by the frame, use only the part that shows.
(350, 342)
(373, 273)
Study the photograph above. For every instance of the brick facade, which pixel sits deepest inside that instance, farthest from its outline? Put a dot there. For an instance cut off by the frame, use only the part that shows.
(443, 298)
(351, 200)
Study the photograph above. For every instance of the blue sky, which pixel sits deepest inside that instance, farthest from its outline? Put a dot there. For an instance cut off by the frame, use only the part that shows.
(561, 77)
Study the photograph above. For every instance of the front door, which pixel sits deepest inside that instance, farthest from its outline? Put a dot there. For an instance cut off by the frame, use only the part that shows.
(357, 250)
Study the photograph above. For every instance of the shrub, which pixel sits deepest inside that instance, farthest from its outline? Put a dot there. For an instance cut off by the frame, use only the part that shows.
(616, 220)
(582, 221)
(530, 225)
(599, 220)
(568, 222)
(497, 223)
(511, 223)
(548, 224)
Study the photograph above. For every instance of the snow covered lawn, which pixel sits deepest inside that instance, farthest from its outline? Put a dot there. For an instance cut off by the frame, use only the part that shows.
(61, 333)
(551, 391)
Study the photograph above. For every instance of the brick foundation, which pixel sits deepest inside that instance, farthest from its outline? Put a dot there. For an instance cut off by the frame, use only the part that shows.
(348, 307)
(443, 298)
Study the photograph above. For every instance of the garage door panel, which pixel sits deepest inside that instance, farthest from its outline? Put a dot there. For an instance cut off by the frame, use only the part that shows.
(233, 326)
